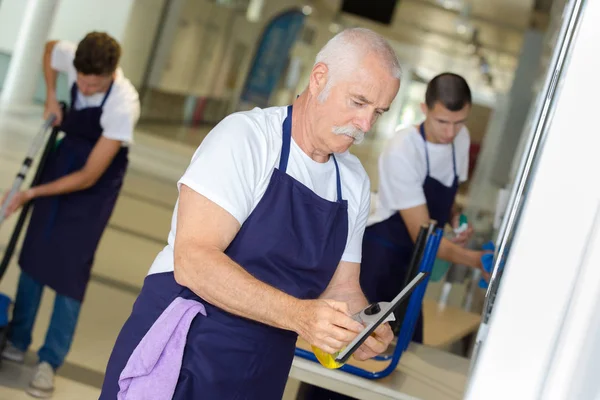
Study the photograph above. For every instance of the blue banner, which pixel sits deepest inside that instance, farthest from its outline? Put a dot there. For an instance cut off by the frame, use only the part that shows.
(271, 57)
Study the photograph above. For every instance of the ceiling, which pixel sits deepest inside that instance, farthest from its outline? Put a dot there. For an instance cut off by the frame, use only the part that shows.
(480, 39)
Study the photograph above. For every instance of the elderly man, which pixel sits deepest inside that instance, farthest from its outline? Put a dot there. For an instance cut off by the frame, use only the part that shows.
(267, 236)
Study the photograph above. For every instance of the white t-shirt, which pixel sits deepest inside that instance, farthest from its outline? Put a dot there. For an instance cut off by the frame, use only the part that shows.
(403, 169)
(122, 108)
(234, 163)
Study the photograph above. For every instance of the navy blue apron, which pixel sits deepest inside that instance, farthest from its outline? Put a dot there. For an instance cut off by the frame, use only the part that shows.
(387, 245)
(293, 240)
(64, 231)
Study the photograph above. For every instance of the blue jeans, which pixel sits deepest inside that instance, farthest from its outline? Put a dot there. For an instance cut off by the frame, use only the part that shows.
(62, 324)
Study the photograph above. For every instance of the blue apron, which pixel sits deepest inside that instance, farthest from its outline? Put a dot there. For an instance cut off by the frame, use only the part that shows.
(64, 231)
(293, 240)
(387, 245)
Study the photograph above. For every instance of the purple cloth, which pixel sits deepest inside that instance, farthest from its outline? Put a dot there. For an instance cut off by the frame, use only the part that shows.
(153, 368)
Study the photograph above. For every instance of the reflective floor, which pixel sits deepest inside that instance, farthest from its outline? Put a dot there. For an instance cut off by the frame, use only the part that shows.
(136, 233)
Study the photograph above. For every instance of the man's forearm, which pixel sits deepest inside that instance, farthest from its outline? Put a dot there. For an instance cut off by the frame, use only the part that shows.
(72, 182)
(458, 255)
(212, 275)
(50, 75)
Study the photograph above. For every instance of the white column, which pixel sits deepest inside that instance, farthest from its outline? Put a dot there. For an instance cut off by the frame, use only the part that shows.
(26, 60)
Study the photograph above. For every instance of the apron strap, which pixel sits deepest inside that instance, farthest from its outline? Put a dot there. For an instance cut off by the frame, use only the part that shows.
(422, 130)
(287, 138)
(454, 160)
(338, 179)
(107, 93)
(73, 95)
(285, 152)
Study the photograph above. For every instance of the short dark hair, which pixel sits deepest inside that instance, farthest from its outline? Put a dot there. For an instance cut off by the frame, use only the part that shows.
(97, 54)
(449, 89)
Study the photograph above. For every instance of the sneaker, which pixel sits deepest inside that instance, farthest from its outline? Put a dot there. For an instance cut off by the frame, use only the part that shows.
(42, 384)
(12, 353)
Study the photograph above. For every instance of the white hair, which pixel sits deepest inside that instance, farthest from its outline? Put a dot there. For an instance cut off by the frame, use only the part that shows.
(344, 51)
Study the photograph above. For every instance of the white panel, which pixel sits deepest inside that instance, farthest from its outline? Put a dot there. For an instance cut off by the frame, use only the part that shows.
(545, 267)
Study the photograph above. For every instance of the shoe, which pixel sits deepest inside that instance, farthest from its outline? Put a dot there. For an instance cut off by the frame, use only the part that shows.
(12, 353)
(42, 384)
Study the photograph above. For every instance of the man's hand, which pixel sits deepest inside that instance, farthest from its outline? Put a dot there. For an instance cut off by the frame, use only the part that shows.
(375, 344)
(326, 324)
(18, 200)
(486, 275)
(475, 260)
(462, 238)
(345, 287)
(53, 107)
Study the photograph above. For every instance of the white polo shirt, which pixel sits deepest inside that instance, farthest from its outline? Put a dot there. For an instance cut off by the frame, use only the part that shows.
(403, 168)
(234, 163)
(122, 108)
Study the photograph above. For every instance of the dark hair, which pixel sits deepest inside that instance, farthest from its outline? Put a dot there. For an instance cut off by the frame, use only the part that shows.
(97, 54)
(449, 89)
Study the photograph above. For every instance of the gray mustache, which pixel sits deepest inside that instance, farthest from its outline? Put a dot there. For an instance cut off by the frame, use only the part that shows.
(350, 130)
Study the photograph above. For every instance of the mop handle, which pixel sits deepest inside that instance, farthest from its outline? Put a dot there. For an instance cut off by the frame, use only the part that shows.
(38, 142)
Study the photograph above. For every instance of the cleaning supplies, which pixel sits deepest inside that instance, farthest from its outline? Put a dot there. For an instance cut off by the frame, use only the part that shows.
(463, 224)
(441, 267)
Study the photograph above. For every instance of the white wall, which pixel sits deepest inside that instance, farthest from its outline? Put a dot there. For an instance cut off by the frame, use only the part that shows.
(74, 18)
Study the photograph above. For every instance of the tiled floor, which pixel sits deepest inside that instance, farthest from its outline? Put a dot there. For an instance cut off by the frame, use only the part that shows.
(127, 249)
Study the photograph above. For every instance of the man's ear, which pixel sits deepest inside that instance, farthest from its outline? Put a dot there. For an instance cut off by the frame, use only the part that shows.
(318, 79)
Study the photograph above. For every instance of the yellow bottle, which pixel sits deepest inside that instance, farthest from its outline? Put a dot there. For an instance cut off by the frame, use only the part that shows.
(327, 360)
